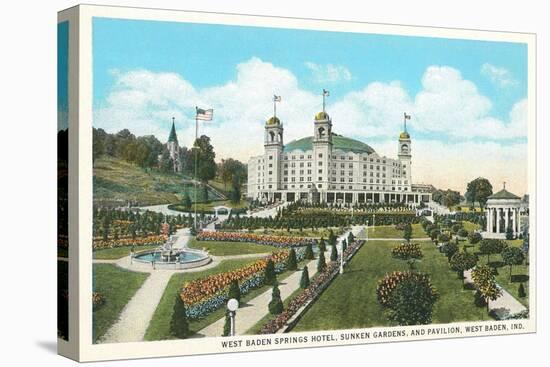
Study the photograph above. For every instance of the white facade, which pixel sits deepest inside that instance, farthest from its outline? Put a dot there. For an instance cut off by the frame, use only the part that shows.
(503, 212)
(330, 168)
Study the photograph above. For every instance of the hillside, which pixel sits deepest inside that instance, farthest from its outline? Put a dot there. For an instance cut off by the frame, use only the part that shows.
(117, 182)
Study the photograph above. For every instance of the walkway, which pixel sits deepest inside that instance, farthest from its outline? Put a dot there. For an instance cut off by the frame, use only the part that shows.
(504, 305)
(138, 312)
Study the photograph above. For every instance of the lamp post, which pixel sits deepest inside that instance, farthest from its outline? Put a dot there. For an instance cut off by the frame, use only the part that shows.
(367, 233)
(341, 257)
(373, 222)
(232, 306)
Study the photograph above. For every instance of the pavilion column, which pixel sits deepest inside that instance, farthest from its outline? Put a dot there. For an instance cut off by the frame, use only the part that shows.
(488, 217)
(514, 228)
(498, 219)
(506, 219)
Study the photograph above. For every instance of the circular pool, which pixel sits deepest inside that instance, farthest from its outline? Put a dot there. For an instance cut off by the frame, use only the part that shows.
(175, 259)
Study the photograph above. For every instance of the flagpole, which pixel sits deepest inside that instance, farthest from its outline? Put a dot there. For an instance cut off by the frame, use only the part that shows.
(196, 160)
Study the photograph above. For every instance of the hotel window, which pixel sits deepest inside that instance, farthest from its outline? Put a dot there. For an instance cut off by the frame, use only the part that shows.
(320, 155)
(286, 165)
(350, 173)
(301, 171)
(320, 163)
(309, 156)
(350, 165)
(270, 165)
(342, 179)
(350, 187)
(309, 179)
(364, 180)
(350, 157)
(286, 172)
(309, 164)
(293, 179)
(302, 164)
(301, 179)
(285, 179)
(342, 165)
(268, 186)
(350, 179)
(270, 157)
(309, 172)
(342, 173)
(320, 186)
(320, 171)
(364, 166)
(301, 157)
(270, 172)
(292, 172)
(319, 179)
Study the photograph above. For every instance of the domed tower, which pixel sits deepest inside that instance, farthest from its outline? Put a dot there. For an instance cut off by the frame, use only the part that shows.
(404, 153)
(322, 149)
(273, 150)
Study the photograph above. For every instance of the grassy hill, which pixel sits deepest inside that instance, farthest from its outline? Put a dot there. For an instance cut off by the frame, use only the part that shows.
(117, 181)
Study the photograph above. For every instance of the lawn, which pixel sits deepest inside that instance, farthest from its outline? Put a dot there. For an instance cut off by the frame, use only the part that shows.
(350, 301)
(116, 253)
(294, 232)
(392, 232)
(159, 328)
(117, 286)
(226, 248)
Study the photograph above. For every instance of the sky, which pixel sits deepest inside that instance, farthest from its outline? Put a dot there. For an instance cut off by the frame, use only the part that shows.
(467, 99)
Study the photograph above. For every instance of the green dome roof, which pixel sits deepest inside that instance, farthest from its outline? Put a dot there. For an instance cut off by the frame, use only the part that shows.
(338, 143)
(322, 116)
(503, 195)
(273, 121)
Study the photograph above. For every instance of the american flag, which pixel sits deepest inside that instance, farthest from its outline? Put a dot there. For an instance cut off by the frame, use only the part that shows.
(276, 98)
(326, 92)
(205, 115)
(407, 117)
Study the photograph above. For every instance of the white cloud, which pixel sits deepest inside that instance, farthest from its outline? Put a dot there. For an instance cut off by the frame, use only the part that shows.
(447, 104)
(328, 73)
(500, 76)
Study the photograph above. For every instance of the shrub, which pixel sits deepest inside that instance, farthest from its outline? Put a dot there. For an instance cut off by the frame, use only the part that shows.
(276, 304)
(304, 280)
(321, 263)
(474, 237)
(309, 252)
(521, 291)
(455, 228)
(234, 291)
(291, 263)
(509, 234)
(270, 277)
(322, 245)
(344, 245)
(351, 237)
(179, 324)
(462, 233)
(443, 238)
(407, 251)
(449, 249)
(407, 297)
(434, 233)
(479, 301)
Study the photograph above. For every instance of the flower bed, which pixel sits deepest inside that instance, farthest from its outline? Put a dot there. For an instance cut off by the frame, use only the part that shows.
(277, 241)
(156, 240)
(388, 284)
(406, 251)
(202, 296)
(317, 286)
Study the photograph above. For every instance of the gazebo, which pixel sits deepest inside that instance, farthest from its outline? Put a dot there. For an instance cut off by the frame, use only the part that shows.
(221, 207)
(502, 212)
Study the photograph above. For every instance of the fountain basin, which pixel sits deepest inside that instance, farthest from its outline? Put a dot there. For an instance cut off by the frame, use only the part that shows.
(177, 259)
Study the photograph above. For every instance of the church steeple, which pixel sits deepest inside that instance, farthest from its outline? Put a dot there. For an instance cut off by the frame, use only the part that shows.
(173, 137)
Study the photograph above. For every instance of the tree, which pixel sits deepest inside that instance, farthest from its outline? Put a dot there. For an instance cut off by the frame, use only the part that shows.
(491, 247)
(333, 253)
(206, 166)
(308, 254)
(270, 277)
(304, 280)
(186, 202)
(451, 198)
(291, 263)
(484, 281)
(479, 190)
(276, 304)
(322, 245)
(512, 256)
(462, 233)
(351, 238)
(344, 245)
(462, 261)
(407, 232)
(443, 238)
(179, 324)
(450, 249)
(434, 234)
(234, 290)
(321, 263)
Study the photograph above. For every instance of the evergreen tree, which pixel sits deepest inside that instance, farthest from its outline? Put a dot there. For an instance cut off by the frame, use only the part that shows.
(521, 291)
(351, 238)
(234, 290)
(304, 280)
(227, 324)
(291, 263)
(270, 278)
(344, 245)
(322, 245)
(321, 263)
(309, 252)
(179, 324)
(333, 253)
(276, 304)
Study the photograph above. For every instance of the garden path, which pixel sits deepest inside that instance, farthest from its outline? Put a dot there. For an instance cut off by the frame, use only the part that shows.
(506, 304)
